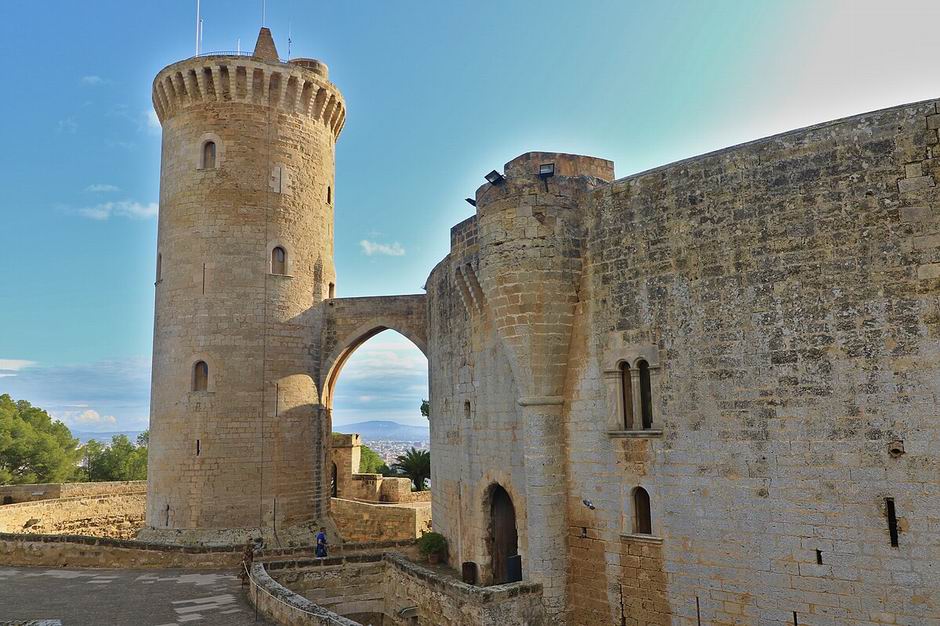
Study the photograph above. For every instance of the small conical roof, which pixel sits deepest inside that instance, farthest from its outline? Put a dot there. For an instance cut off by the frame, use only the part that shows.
(265, 47)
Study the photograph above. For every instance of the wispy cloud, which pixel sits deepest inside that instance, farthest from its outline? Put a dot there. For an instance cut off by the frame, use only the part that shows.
(93, 80)
(371, 248)
(101, 188)
(152, 122)
(106, 395)
(68, 126)
(386, 378)
(10, 367)
(124, 208)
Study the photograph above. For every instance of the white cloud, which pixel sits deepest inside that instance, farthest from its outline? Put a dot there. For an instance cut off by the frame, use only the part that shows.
(99, 188)
(68, 126)
(9, 367)
(123, 208)
(370, 248)
(93, 80)
(152, 122)
(89, 417)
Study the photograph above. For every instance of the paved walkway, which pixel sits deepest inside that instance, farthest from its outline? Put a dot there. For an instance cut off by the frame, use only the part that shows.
(93, 597)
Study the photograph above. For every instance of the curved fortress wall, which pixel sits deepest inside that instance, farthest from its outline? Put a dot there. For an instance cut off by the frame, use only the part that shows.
(248, 450)
(784, 295)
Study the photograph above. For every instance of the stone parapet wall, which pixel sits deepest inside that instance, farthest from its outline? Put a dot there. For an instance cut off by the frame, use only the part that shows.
(98, 516)
(13, 494)
(77, 551)
(387, 590)
(363, 521)
(378, 488)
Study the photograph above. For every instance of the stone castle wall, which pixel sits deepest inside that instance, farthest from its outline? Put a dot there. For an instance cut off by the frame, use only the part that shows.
(364, 521)
(785, 294)
(12, 494)
(119, 516)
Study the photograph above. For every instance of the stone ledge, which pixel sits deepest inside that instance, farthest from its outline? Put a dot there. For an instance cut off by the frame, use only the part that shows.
(641, 538)
(649, 433)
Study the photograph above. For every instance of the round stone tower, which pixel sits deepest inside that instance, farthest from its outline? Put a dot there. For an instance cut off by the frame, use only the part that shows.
(245, 252)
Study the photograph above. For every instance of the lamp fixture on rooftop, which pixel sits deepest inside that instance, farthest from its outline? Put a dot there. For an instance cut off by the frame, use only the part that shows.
(546, 170)
(494, 178)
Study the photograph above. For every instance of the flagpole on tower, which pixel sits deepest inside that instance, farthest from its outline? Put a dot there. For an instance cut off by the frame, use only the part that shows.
(198, 22)
(262, 13)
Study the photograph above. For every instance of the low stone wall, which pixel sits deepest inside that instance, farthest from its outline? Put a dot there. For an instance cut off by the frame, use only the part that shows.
(283, 606)
(13, 494)
(377, 488)
(119, 516)
(366, 521)
(387, 590)
(77, 551)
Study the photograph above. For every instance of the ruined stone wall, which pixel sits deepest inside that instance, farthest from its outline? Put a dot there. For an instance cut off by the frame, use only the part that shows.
(786, 294)
(119, 516)
(46, 491)
(362, 521)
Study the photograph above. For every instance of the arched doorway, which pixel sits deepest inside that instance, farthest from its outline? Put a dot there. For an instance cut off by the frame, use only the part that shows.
(503, 535)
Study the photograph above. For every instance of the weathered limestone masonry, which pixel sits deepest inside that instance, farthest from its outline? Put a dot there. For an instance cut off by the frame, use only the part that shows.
(773, 309)
(12, 494)
(248, 336)
(120, 515)
(348, 482)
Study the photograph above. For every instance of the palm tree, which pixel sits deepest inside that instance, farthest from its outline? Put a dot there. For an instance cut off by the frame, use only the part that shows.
(416, 465)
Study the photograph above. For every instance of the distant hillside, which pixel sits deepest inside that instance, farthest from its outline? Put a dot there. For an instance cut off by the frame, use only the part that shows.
(385, 431)
(106, 437)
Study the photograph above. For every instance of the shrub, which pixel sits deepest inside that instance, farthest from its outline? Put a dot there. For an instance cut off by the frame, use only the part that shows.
(432, 543)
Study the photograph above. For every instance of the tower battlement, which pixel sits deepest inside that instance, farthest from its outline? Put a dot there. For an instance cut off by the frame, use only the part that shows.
(298, 86)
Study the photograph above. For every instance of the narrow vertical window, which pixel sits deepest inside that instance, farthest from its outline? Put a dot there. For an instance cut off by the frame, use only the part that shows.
(332, 291)
(646, 394)
(892, 521)
(208, 155)
(626, 396)
(278, 261)
(329, 195)
(466, 409)
(159, 267)
(200, 376)
(642, 524)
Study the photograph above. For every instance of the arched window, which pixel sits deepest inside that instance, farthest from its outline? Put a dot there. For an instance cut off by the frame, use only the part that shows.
(626, 395)
(646, 394)
(208, 155)
(642, 524)
(159, 267)
(278, 261)
(200, 376)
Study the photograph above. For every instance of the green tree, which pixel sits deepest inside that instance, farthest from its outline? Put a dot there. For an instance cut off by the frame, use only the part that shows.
(33, 447)
(425, 408)
(416, 465)
(122, 460)
(370, 462)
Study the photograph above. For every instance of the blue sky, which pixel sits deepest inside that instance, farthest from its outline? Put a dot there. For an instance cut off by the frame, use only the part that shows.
(438, 93)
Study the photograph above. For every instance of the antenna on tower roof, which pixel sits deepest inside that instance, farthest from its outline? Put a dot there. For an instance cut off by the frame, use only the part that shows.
(198, 22)
(262, 13)
(288, 40)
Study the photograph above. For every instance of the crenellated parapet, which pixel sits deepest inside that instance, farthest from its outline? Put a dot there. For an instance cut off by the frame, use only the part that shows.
(299, 86)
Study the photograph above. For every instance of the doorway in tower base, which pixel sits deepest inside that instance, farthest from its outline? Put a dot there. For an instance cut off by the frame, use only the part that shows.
(503, 539)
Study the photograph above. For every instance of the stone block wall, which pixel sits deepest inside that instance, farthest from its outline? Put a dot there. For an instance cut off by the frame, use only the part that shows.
(362, 521)
(12, 494)
(386, 590)
(119, 516)
(785, 294)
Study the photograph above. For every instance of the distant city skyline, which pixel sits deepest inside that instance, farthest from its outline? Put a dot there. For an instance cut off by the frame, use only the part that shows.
(437, 95)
